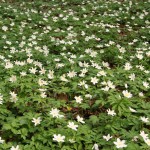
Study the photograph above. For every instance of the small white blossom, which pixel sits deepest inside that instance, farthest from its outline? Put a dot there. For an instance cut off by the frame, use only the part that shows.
(95, 147)
(63, 78)
(4, 28)
(33, 70)
(132, 77)
(110, 85)
(94, 80)
(1, 141)
(15, 148)
(135, 138)
(147, 141)
(55, 113)
(42, 71)
(13, 97)
(72, 141)
(71, 74)
(8, 65)
(23, 73)
(101, 73)
(80, 119)
(111, 112)
(36, 121)
(50, 74)
(1, 99)
(146, 84)
(72, 126)
(132, 110)
(127, 94)
(143, 135)
(42, 82)
(141, 94)
(120, 143)
(78, 99)
(13, 78)
(58, 138)
(144, 119)
(107, 138)
(43, 95)
(127, 66)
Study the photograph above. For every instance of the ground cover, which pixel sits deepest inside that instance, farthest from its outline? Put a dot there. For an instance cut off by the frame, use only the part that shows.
(74, 75)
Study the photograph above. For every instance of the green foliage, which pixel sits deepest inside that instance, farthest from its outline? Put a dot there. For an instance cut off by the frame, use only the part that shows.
(74, 75)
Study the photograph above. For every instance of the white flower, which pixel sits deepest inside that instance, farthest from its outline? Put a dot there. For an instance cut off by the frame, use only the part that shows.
(88, 96)
(55, 113)
(139, 56)
(148, 54)
(8, 65)
(127, 66)
(84, 70)
(63, 78)
(42, 82)
(72, 126)
(83, 83)
(126, 86)
(135, 138)
(93, 54)
(58, 138)
(29, 60)
(1, 102)
(127, 94)
(43, 95)
(13, 78)
(23, 73)
(132, 110)
(1, 141)
(141, 94)
(105, 64)
(101, 73)
(120, 143)
(13, 97)
(82, 74)
(60, 65)
(15, 148)
(147, 141)
(36, 121)
(106, 88)
(144, 119)
(132, 77)
(1, 99)
(78, 99)
(146, 84)
(51, 74)
(95, 147)
(94, 80)
(146, 71)
(111, 112)
(110, 85)
(80, 119)
(71, 74)
(143, 135)
(42, 71)
(72, 141)
(8, 42)
(141, 67)
(13, 94)
(33, 70)
(108, 137)
(4, 28)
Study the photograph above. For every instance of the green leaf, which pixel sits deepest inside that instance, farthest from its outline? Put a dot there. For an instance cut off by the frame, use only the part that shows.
(94, 119)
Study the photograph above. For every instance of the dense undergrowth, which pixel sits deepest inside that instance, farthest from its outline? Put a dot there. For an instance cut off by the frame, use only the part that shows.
(74, 75)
